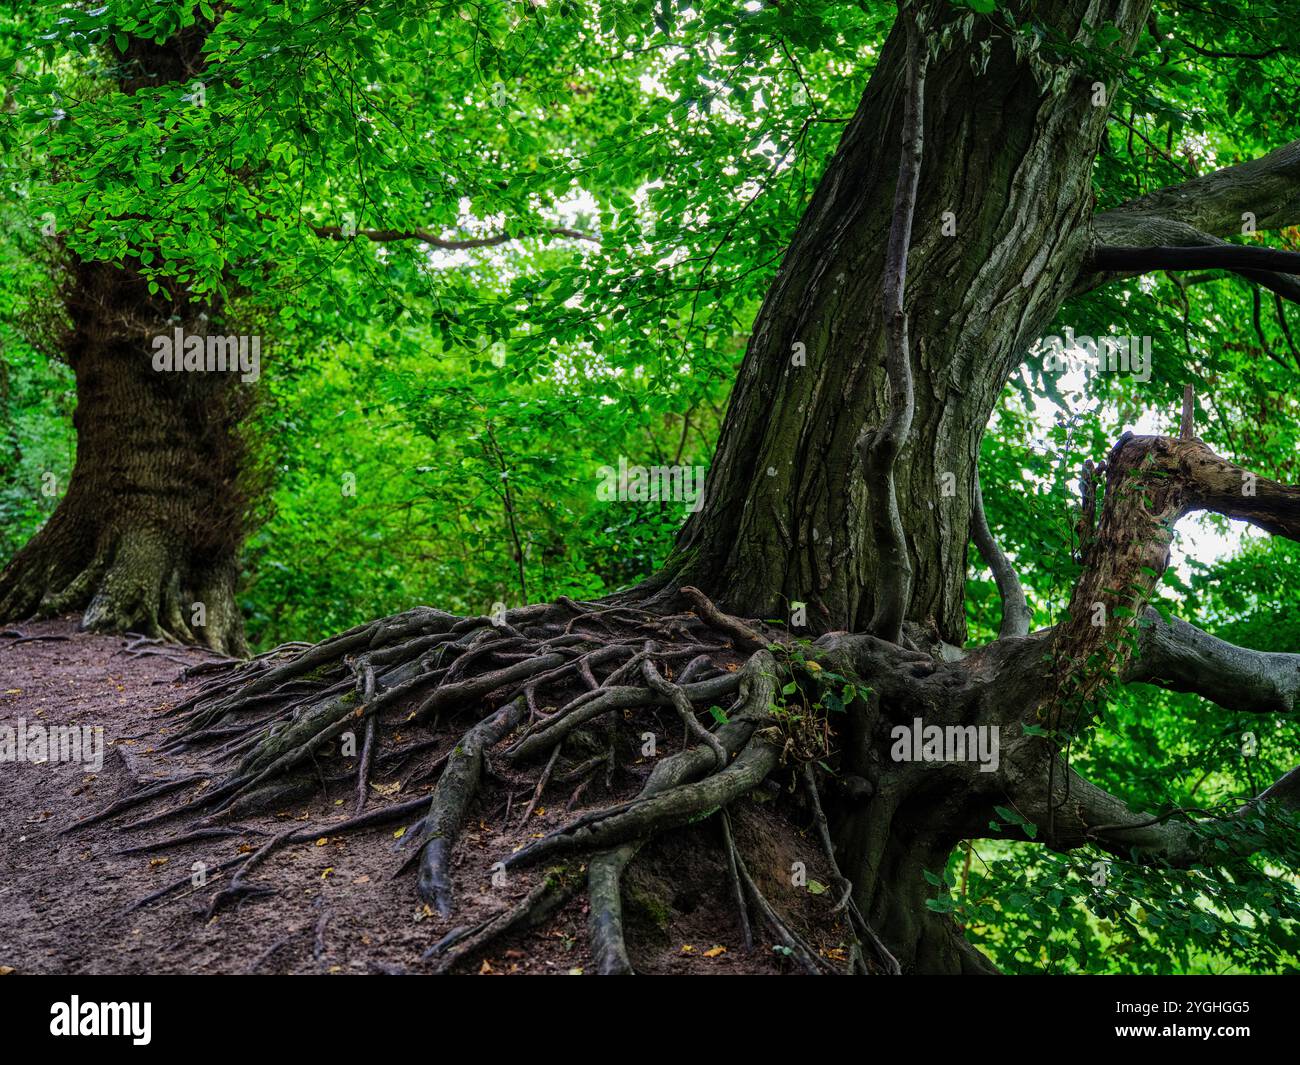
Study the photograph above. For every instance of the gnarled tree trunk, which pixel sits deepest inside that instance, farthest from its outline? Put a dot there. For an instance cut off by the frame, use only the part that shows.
(147, 536)
(1002, 219)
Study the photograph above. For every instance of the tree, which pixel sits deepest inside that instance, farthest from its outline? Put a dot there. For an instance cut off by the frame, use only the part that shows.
(166, 485)
(147, 535)
(955, 218)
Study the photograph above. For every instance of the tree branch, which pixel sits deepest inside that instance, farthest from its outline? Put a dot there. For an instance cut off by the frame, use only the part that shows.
(1152, 145)
(1222, 487)
(1182, 658)
(1151, 482)
(1267, 188)
(1224, 256)
(1015, 610)
(1195, 216)
(879, 449)
(425, 236)
(1144, 234)
(1211, 53)
(1187, 423)
(1081, 813)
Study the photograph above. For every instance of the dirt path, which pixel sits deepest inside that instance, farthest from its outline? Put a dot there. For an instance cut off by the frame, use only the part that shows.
(337, 908)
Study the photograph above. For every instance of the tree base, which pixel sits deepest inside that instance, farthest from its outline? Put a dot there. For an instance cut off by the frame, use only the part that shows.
(594, 705)
(132, 582)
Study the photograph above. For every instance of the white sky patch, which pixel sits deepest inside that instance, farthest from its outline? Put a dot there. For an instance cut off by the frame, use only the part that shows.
(1198, 146)
(1199, 536)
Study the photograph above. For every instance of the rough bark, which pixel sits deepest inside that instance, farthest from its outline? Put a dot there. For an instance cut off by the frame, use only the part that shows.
(153, 515)
(786, 517)
(1268, 188)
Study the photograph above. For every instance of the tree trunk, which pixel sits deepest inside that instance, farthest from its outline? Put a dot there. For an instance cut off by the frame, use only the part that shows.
(785, 518)
(146, 538)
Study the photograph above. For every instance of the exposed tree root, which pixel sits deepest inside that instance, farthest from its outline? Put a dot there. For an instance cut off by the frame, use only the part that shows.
(239, 887)
(436, 832)
(606, 869)
(676, 807)
(555, 888)
(272, 950)
(179, 883)
(546, 692)
(19, 637)
(859, 923)
(188, 837)
(139, 798)
(811, 962)
(733, 880)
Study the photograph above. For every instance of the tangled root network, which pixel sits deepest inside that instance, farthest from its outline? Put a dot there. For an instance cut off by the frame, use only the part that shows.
(557, 696)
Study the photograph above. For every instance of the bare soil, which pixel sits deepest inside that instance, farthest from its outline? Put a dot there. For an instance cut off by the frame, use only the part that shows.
(336, 906)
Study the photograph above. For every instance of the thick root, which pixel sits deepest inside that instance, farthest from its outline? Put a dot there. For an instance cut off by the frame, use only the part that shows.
(556, 887)
(604, 877)
(455, 790)
(533, 684)
(674, 808)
